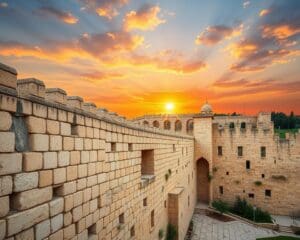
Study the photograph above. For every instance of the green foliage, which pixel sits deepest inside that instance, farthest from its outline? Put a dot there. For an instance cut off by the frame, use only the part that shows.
(171, 232)
(258, 183)
(221, 206)
(161, 233)
(282, 121)
(246, 210)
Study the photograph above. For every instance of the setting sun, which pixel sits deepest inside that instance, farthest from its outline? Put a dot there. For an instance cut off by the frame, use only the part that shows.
(169, 106)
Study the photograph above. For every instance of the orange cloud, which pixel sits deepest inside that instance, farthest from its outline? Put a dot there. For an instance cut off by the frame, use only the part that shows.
(264, 12)
(104, 8)
(280, 31)
(215, 34)
(63, 16)
(146, 18)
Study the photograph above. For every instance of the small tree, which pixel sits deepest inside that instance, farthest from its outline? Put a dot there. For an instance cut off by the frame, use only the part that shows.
(171, 232)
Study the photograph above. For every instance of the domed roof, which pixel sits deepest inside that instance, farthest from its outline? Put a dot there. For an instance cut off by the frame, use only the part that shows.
(206, 109)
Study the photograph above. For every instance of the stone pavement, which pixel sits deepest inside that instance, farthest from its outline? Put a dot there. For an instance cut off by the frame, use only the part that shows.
(206, 228)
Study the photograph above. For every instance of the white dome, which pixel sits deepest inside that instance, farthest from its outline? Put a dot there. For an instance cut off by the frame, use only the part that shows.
(206, 108)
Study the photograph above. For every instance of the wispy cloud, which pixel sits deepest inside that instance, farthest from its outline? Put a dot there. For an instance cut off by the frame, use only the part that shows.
(215, 34)
(146, 18)
(60, 15)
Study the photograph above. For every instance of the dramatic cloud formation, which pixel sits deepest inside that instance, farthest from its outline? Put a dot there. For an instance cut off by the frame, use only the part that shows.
(63, 16)
(215, 34)
(104, 8)
(146, 18)
(264, 12)
(3, 4)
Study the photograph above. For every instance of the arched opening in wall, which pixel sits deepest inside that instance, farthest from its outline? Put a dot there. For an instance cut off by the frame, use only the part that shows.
(243, 125)
(203, 180)
(190, 126)
(156, 124)
(178, 126)
(146, 123)
(167, 125)
(231, 125)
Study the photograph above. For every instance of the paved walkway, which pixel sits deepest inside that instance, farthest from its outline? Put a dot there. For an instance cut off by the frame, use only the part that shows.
(206, 228)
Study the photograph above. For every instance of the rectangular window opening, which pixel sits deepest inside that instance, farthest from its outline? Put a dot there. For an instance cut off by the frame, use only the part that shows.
(152, 218)
(132, 231)
(221, 190)
(113, 147)
(268, 193)
(130, 147)
(263, 152)
(251, 195)
(220, 151)
(240, 151)
(145, 202)
(247, 164)
(147, 167)
(121, 218)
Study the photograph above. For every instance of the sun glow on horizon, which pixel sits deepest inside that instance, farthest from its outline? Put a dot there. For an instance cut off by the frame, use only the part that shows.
(169, 106)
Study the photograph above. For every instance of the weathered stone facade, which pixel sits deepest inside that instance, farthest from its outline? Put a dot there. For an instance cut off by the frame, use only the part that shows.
(71, 171)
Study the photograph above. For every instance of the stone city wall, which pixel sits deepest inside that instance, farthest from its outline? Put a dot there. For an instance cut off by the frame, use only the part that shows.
(69, 170)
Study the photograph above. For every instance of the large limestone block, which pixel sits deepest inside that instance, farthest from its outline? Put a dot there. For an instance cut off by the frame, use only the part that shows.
(31, 198)
(56, 95)
(75, 101)
(5, 121)
(10, 163)
(22, 220)
(39, 142)
(31, 87)
(2, 229)
(36, 124)
(25, 235)
(4, 203)
(42, 230)
(5, 185)
(7, 142)
(8, 76)
(56, 206)
(32, 161)
(25, 181)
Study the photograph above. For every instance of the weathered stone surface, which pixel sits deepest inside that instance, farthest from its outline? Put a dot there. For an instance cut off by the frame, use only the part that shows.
(36, 124)
(50, 160)
(59, 175)
(59, 235)
(39, 142)
(57, 95)
(55, 143)
(7, 142)
(42, 230)
(31, 198)
(63, 158)
(8, 103)
(25, 235)
(56, 206)
(75, 101)
(2, 229)
(10, 163)
(8, 76)
(69, 231)
(5, 185)
(4, 203)
(57, 222)
(25, 181)
(32, 161)
(26, 219)
(31, 87)
(45, 178)
(52, 127)
(65, 129)
(5, 121)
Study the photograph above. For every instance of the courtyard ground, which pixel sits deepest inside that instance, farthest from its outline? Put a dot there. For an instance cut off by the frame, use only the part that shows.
(206, 228)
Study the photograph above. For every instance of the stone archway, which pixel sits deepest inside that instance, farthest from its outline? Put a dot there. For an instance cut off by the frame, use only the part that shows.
(202, 180)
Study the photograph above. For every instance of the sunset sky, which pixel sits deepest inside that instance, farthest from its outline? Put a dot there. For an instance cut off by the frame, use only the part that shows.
(134, 56)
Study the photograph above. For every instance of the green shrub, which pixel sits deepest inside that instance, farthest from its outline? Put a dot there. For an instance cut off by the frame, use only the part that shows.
(258, 183)
(160, 233)
(220, 206)
(171, 232)
(246, 210)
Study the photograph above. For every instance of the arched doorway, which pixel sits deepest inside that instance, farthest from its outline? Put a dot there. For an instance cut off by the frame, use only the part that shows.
(203, 180)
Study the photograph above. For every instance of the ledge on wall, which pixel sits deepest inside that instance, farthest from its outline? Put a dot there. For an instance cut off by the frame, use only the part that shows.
(146, 180)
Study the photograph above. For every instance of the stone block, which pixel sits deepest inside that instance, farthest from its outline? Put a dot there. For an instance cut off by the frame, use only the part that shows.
(52, 113)
(32, 161)
(56, 95)
(55, 143)
(68, 143)
(74, 157)
(39, 110)
(22, 220)
(75, 101)
(50, 160)
(59, 235)
(8, 76)
(67, 218)
(10, 163)
(52, 127)
(31, 87)
(5, 121)
(63, 158)
(8, 103)
(7, 142)
(59, 175)
(2, 229)
(39, 142)
(6, 185)
(36, 124)
(78, 143)
(89, 107)
(31, 198)
(4, 203)
(80, 225)
(56, 206)
(25, 181)
(42, 230)
(45, 178)
(71, 173)
(69, 231)
(25, 235)
(82, 170)
(65, 129)
(77, 213)
(66, 189)
(57, 222)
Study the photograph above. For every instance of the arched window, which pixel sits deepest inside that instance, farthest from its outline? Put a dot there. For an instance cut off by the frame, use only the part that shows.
(156, 124)
(178, 126)
(146, 123)
(243, 125)
(190, 126)
(167, 125)
(231, 125)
